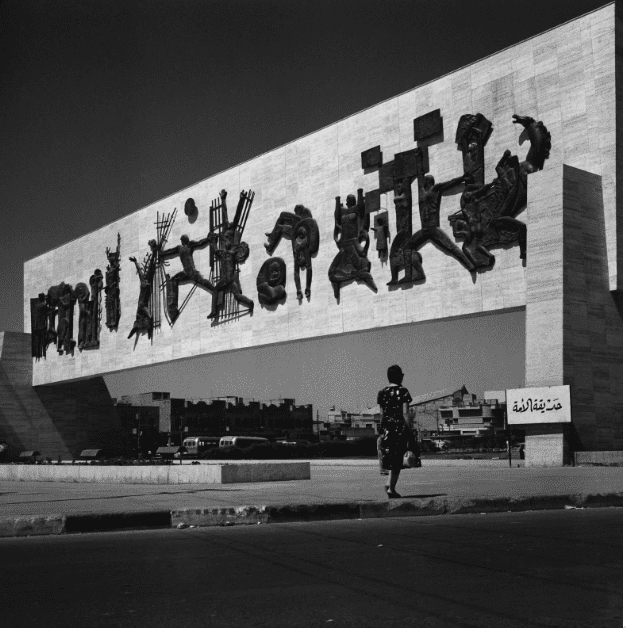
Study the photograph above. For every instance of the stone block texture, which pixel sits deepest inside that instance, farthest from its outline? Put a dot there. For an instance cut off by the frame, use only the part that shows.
(565, 77)
(568, 77)
(573, 326)
(60, 419)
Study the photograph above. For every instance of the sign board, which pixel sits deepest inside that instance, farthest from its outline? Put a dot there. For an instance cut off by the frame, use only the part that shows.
(536, 405)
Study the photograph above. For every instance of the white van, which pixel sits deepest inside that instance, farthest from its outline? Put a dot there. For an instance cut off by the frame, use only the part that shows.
(196, 445)
(240, 441)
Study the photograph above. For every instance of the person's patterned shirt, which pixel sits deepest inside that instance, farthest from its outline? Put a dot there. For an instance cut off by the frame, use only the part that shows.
(391, 400)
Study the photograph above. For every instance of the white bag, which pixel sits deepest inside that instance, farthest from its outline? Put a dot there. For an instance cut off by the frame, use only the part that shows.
(410, 460)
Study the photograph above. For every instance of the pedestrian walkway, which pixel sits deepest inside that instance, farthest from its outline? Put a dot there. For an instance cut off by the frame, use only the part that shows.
(337, 489)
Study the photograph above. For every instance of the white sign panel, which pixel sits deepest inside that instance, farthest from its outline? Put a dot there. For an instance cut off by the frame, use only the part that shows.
(535, 405)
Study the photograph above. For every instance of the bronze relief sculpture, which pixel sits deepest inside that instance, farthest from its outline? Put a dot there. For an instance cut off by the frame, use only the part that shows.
(146, 318)
(112, 288)
(61, 298)
(429, 199)
(402, 256)
(270, 281)
(89, 312)
(228, 252)
(487, 215)
(184, 251)
(301, 229)
(352, 238)
(381, 234)
(40, 311)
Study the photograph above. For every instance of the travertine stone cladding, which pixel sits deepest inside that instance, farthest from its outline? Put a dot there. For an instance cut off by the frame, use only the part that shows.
(564, 77)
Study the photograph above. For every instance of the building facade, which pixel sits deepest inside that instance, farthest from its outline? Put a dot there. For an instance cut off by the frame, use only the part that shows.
(504, 178)
(179, 418)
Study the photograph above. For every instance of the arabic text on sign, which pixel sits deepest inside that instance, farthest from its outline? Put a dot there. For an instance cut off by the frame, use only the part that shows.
(537, 404)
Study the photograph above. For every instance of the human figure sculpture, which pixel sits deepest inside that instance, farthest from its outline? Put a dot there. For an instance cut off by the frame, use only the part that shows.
(189, 273)
(92, 339)
(301, 229)
(228, 251)
(430, 195)
(403, 258)
(144, 321)
(473, 228)
(65, 304)
(492, 207)
(473, 132)
(84, 314)
(112, 287)
(302, 260)
(230, 254)
(40, 311)
(380, 235)
(352, 239)
(270, 281)
(61, 297)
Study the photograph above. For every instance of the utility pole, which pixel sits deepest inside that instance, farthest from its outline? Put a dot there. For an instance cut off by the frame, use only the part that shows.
(508, 432)
(138, 430)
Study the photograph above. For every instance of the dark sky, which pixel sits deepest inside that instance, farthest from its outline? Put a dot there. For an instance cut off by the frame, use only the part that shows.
(108, 106)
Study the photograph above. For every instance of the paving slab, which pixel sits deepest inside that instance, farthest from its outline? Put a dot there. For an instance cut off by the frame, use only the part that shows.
(331, 482)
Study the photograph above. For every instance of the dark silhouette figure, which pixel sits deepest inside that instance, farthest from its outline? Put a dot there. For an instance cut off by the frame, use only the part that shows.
(144, 321)
(230, 255)
(352, 239)
(430, 195)
(270, 282)
(189, 273)
(402, 257)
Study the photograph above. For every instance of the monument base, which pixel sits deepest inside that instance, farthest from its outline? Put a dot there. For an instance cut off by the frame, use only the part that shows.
(546, 445)
(239, 472)
(57, 420)
(573, 325)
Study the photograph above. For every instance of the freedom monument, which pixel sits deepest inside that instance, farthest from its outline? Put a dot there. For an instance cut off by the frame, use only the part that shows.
(496, 187)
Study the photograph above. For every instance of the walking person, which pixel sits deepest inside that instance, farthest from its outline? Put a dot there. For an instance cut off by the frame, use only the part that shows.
(396, 427)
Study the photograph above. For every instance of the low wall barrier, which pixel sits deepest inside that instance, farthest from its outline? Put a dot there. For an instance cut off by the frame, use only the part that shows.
(239, 472)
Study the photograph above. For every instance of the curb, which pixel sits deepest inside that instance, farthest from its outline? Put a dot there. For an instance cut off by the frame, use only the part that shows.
(289, 513)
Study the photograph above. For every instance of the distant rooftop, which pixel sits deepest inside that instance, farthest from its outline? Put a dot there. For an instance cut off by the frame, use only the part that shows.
(438, 395)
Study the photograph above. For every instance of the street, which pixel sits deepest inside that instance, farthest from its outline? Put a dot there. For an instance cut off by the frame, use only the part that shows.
(533, 569)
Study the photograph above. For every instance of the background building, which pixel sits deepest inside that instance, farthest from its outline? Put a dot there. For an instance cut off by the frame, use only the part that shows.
(457, 413)
(179, 418)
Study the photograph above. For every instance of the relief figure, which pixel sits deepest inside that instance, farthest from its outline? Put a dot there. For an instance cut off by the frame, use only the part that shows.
(270, 282)
(352, 239)
(430, 195)
(189, 273)
(144, 319)
(402, 257)
(301, 229)
(112, 287)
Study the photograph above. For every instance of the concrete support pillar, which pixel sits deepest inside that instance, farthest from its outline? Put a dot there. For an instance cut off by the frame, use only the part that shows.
(573, 328)
(61, 419)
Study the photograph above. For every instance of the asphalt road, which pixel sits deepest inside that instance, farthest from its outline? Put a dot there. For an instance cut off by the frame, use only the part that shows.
(532, 569)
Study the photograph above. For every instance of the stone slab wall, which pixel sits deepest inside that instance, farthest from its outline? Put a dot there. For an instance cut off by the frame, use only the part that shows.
(573, 326)
(56, 420)
(247, 472)
(564, 77)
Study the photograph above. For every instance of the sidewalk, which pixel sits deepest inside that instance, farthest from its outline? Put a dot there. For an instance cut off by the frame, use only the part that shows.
(337, 489)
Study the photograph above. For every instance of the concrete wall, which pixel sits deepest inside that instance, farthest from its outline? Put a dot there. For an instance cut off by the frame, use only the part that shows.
(573, 327)
(244, 472)
(55, 420)
(565, 77)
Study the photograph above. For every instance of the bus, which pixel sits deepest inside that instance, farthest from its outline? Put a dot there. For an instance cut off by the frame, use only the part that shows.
(241, 441)
(195, 445)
